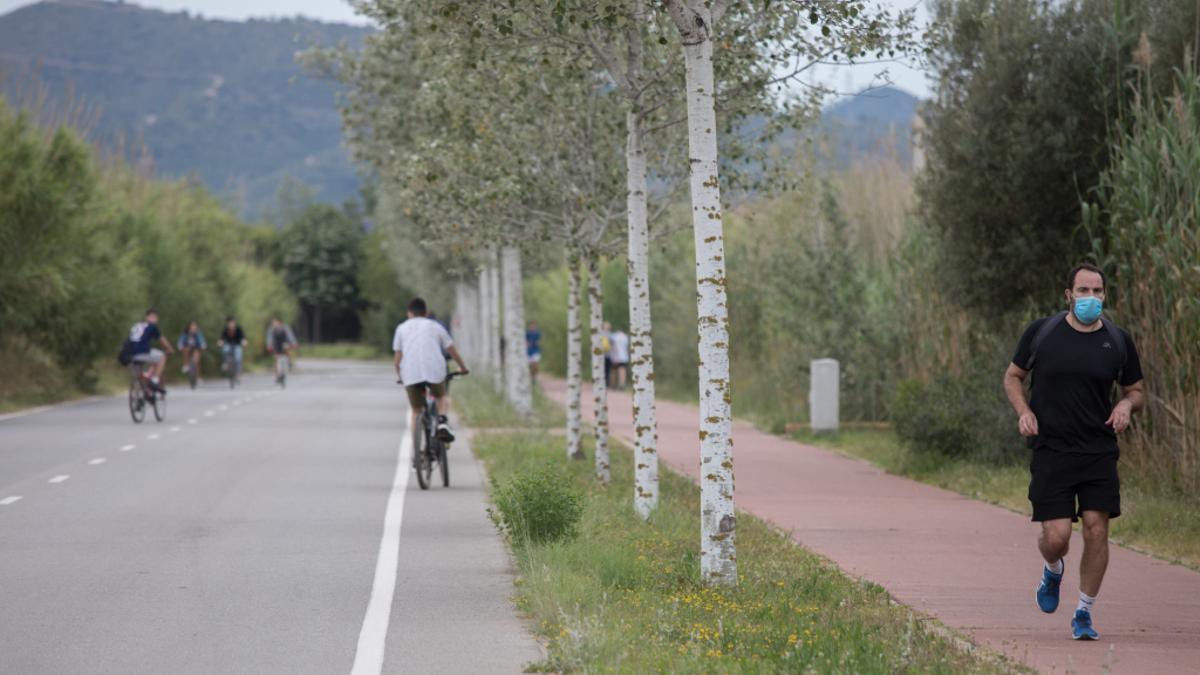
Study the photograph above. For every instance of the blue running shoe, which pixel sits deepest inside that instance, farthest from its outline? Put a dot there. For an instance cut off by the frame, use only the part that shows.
(1047, 591)
(1081, 626)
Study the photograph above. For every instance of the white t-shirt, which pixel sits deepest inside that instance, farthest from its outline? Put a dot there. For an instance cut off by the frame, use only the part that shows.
(421, 342)
(619, 351)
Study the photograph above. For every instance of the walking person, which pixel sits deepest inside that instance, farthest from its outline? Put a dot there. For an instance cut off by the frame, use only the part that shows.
(533, 348)
(1072, 426)
(606, 347)
(619, 353)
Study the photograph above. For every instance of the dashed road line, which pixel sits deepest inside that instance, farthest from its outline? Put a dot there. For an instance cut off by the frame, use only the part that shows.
(193, 421)
(97, 461)
(209, 413)
(174, 429)
(152, 437)
(10, 500)
(223, 407)
(59, 478)
(127, 448)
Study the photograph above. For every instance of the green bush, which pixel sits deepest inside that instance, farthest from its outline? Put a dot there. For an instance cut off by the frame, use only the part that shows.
(536, 507)
(956, 417)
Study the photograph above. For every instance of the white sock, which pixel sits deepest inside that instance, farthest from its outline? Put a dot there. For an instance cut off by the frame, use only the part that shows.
(1085, 602)
(1056, 568)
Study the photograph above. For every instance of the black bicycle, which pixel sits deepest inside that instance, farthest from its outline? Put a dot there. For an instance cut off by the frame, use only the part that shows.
(428, 449)
(142, 394)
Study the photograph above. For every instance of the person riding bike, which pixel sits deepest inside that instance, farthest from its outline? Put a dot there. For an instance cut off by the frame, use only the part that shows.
(418, 344)
(232, 342)
(141, 338)
(190, 343)
(281, 340)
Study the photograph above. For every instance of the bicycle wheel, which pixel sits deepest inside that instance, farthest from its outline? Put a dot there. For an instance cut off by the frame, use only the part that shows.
(159, 402)
(421, 462)
(193, 373)
(137, 407)
(443, 465)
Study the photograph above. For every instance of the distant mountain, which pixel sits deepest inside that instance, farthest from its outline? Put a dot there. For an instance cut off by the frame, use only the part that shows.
(876, 122)
(221, 100)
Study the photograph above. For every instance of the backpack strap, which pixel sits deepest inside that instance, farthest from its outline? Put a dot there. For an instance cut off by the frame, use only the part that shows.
(1118, 338)
(1040, 336)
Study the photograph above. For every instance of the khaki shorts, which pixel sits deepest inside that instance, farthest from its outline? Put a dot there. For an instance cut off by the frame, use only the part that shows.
(416, 393)
(152, 356)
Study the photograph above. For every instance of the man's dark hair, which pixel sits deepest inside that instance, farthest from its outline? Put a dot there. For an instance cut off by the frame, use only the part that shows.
(417, 306)
(1085, 267)
(150, 311)
(229, 318)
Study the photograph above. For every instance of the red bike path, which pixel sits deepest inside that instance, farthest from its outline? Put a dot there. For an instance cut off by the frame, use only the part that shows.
(972, 565)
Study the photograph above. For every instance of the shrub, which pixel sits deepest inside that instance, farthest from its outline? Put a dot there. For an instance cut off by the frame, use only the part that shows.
(538, 506)
(956, 417)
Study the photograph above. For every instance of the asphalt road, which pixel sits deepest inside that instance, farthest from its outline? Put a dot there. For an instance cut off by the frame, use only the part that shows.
(257, 530)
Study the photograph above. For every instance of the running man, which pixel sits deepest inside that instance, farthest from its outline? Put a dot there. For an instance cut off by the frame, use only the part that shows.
(141, 339)
(418, 344)
(1072, 426)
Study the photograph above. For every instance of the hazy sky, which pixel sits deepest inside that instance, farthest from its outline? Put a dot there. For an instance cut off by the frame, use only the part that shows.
(842, 78)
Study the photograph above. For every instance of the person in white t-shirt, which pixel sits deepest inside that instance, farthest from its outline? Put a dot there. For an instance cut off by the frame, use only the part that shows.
(420, 345)
(619, 353)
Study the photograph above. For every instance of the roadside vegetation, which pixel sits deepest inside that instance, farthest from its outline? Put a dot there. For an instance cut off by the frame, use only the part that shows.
(623, 594)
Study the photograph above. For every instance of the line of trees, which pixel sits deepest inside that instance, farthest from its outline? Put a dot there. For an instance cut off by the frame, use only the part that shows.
(545, 132)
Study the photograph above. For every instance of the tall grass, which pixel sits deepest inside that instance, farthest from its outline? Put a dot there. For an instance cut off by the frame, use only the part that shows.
(1151, 196)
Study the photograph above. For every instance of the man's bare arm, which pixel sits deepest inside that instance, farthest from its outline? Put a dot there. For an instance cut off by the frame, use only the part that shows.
(1014, 388)
(453, 352)
(396, 362)
(1134, 399)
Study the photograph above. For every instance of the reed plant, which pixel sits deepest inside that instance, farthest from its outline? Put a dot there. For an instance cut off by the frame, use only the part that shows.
(1151, 247)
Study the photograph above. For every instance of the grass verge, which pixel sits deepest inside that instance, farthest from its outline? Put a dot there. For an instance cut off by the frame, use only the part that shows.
(483, 408)
(343, 350)
(1155, 521)
(625, 595)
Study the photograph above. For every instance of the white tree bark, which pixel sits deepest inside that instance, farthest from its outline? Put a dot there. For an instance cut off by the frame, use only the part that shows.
(516, 366)
(493, 329)
(574, 361)
(641, 345)
(458, 322)
(599, 386)
(718, 520)
(482, 322)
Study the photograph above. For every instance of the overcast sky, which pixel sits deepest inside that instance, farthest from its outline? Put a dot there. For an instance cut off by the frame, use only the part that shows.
(846, 79)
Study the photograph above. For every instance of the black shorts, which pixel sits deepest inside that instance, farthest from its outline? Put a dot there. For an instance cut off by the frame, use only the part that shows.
(1057, 479)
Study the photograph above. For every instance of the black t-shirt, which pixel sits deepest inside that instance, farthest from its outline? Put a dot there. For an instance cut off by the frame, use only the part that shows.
(1072, 385)
(235, 337)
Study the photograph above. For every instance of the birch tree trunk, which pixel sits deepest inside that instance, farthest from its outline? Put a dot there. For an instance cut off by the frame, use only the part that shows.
(493, 331)
(718, 524)
(574, 361)
(458, 329)
(517, 385)
(599, 385)
(641, 345)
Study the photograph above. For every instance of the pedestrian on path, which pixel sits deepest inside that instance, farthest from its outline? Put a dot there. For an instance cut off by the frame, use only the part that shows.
(619, 354)
(533, 348)
(1072, 425)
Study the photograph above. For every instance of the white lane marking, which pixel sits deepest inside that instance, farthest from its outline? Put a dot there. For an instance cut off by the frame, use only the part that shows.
(223, 407)
(98, 461)
(174, 429)
(209, 413)
(368, 657)
(58, 479)
(193, 421)
(152, 437)
(127, 448)
(10, 500)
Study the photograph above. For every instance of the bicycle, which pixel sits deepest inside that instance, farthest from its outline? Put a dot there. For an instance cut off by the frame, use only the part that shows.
(143, 393)
(192, 368)
(283, 364)
(432, 450)
(229, 355)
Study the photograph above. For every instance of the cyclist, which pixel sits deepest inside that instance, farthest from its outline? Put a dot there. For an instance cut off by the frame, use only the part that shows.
(141, 339)
(232, 342)
(418, 344)
(191, 342)
(280, 340)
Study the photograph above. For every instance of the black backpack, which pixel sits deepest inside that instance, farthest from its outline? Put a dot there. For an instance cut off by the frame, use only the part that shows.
(125, 356)
(1118, 338)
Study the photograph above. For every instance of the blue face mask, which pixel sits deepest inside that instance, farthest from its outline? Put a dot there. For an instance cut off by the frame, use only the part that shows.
(1088, 309)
